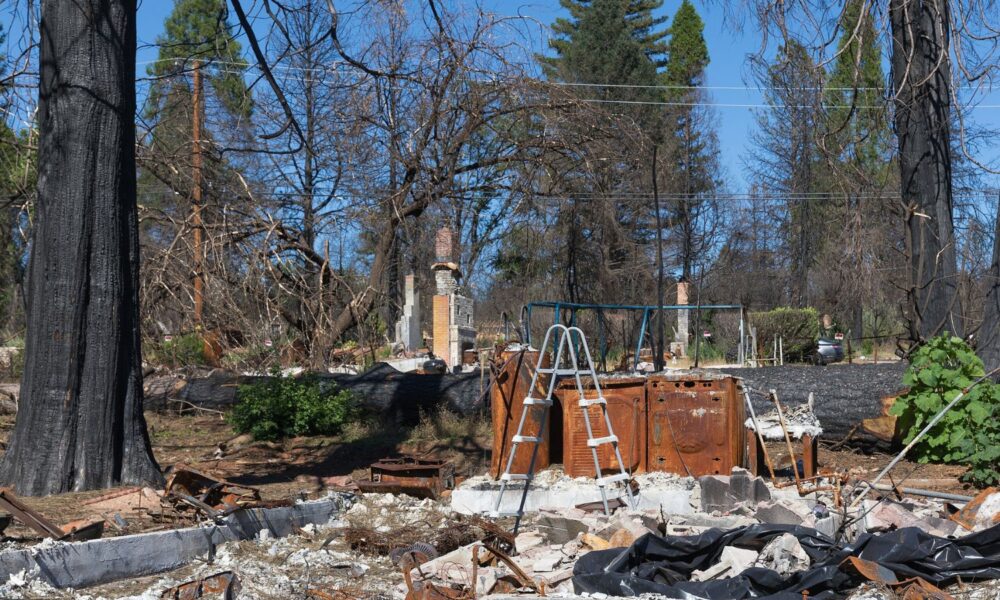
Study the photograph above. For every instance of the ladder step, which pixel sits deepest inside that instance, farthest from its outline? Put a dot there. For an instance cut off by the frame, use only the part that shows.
(603, 481)
(558, 371)
(526, 439)
(515, 477)
(529, 401)
(610, 439)
(585, 402)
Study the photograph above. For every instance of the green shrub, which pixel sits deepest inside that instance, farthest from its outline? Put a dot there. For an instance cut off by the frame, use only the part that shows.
(280, 407)
(181, 351)
(707, 351)
(797, 327)
(969, 433)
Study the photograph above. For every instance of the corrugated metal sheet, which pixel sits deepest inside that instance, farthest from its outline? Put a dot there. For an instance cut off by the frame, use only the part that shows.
(626, 399)
(695, 424)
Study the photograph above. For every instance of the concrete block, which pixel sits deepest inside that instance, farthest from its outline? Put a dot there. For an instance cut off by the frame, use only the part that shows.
(746, 488)
(783, 554)
(780, 512)
(732, 561)
(829, 525)
(481, 499)
(886, 515)
(558, 530)
(715, 493)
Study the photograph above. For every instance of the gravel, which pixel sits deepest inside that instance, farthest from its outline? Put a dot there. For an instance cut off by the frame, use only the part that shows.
(843, 394)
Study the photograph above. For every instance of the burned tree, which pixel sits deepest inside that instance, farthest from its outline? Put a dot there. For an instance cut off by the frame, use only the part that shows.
(921, 76)
(80, 424)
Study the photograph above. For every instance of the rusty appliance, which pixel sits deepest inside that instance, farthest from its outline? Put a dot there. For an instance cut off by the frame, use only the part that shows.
(507, 393)
(413, 476)
(626, 403)
(695, 423)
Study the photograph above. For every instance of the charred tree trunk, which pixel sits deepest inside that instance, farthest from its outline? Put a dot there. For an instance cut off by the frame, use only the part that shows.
(921, 71)
(989, 333)
(80, 424)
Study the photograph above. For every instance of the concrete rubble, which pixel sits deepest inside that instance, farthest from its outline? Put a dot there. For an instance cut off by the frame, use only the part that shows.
(273, 557)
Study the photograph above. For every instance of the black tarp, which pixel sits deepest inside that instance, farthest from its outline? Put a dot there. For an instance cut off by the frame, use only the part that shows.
(663, 564)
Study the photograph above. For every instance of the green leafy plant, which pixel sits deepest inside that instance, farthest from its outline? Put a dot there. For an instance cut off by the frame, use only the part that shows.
(967, 434)
(280, 407)
(181, 351)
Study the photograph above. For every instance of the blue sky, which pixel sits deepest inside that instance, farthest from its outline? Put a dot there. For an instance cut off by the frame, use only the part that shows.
(728, 69)
(728, 51)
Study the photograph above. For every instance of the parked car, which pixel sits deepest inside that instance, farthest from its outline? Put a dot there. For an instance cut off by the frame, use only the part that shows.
(828, 351)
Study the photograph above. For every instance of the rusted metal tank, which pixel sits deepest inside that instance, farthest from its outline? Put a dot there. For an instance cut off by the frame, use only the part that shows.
(407, 475)
(507, 394)
(626, 402)
(695, 423)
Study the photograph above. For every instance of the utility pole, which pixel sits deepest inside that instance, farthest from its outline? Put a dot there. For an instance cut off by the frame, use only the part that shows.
(199, 284)
(658, 337)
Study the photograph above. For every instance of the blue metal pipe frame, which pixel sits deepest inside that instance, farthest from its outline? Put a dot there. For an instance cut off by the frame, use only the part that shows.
(558, 307)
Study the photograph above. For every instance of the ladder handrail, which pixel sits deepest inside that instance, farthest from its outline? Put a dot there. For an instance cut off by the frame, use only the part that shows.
(562, 337)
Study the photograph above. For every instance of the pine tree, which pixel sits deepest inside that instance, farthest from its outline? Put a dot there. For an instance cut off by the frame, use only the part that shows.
(687, 51)
(857, 118)
(857, 147)
(691, 145)
(642, 27)
(198, 31)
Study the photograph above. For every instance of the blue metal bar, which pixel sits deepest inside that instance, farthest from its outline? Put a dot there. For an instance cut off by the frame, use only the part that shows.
(642, 336)
(576, 305)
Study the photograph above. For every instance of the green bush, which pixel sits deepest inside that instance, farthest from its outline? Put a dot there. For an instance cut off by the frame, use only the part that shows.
(969, 433)
(181, 351)
(797, 327)
(281, 407)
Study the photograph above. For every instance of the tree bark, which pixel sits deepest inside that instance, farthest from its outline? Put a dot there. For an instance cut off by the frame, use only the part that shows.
(80, 424)
(921, 69)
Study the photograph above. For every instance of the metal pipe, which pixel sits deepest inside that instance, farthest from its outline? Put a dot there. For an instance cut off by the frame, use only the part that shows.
(882, 487)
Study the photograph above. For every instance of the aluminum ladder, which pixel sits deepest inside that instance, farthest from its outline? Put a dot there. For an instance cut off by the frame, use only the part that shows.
(564, 350)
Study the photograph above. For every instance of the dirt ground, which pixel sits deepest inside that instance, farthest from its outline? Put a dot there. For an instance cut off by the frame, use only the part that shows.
(302, 467)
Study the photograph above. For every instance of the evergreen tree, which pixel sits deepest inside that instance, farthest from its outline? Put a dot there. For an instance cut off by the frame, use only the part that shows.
(642, 27)
(857, 118)
(786, 159)
(857, 147)
(197, 35)
(687, 51)
(691, 145)
(198, 45)
(198, 31)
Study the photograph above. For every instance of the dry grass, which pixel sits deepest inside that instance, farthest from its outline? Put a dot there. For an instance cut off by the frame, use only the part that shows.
(445, 426)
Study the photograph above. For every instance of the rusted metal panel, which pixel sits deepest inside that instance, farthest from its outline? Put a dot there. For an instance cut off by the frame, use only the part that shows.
(226, 583)
(695, 424)
(626, 402)
(509, 388)
(413, 476)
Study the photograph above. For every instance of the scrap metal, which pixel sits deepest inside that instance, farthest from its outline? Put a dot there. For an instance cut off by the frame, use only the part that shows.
(225, 583)
(966, 517)
(73, 531)
(215, 497)
(416, 477)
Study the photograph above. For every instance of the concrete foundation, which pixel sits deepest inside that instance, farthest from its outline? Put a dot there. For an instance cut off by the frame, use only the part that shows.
(478, 496)
(83, 564)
